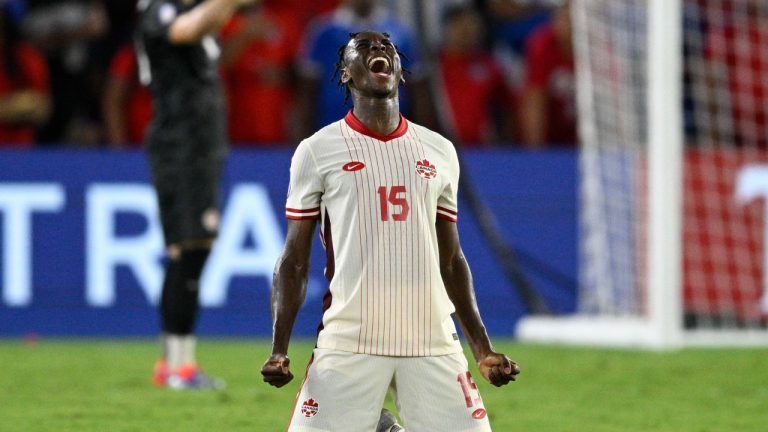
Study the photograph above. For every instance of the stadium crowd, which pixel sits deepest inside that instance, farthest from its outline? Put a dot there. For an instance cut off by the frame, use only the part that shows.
(69, 75)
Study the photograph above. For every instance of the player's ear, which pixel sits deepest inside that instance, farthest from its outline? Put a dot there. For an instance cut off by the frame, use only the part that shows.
(345, 76)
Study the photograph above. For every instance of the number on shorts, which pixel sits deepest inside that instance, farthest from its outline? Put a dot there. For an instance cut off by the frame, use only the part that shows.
(467, 386)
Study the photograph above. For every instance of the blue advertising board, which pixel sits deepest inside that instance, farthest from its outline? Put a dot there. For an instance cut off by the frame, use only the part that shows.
(82, 252)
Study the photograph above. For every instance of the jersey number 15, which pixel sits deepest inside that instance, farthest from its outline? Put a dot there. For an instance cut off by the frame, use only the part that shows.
(395, 198)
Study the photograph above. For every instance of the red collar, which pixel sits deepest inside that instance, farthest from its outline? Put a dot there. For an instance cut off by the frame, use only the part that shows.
(357, 125)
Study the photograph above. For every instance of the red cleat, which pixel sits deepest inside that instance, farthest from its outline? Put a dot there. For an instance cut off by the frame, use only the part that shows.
(161, 372)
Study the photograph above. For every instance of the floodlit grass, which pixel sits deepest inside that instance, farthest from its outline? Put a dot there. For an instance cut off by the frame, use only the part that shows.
(84, 385)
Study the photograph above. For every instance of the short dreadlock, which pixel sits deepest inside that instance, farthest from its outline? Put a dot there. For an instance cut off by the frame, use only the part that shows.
(340, 64)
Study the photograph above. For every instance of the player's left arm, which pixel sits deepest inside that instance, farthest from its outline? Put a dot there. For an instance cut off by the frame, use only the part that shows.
(495, 367)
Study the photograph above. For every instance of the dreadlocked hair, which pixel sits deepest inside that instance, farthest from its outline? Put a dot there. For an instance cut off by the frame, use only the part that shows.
(340, 65)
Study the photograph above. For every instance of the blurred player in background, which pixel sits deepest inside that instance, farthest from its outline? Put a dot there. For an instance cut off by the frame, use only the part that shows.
(384, 191)
(186, 144)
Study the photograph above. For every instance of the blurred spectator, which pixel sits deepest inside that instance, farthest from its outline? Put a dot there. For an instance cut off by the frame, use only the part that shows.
(512, 22)
(320, 100)
(24, 98)
(548, 105)
(259, 46)
(426, 16)
(63, 29)
(736, 52)
(472, 79)
(305, 11)
(127, 105)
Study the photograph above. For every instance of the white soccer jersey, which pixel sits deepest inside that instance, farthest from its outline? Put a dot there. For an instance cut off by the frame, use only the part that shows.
(377, 198)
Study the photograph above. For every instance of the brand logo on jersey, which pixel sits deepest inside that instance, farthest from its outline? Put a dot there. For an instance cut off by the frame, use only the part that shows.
(309, 408)
(426, 169)
(353, 166)
(479, 414)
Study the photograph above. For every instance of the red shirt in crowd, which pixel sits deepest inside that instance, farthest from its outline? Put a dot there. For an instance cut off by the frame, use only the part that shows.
(138, 110)
(473, 83)
(305, 11)
(259, 89)
(742, 50)
(551, 68)
(32, 75)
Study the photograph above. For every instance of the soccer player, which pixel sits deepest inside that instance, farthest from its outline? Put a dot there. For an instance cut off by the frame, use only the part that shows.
(384, 192)
(186, 144)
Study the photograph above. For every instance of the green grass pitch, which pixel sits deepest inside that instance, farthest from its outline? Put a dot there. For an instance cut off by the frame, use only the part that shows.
(87, 385)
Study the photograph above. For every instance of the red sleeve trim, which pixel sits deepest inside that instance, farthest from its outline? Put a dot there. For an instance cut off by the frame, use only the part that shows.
(312, 210)
(446, 210)
(302, 217)
(302, 214)
(446, 217)
(447, 214)
(302, 210)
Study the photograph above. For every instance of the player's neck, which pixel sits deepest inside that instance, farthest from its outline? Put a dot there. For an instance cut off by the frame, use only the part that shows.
(379, 115)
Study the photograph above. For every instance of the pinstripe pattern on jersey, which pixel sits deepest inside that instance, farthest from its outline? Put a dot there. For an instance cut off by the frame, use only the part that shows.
(388, 296)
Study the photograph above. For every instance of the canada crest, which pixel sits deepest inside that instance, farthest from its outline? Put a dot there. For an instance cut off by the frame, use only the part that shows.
(426, 169)
(309, 408)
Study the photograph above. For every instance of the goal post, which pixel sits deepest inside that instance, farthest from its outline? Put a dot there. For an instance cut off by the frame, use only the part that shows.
(673, 119)
(665, 148)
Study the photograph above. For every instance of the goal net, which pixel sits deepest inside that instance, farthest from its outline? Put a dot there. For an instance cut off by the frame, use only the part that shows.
(673, 106)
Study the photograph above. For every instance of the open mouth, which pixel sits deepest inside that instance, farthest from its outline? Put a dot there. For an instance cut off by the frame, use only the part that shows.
(379, 65)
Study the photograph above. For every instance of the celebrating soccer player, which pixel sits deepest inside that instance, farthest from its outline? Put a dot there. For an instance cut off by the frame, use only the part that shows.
(186, 143)
(384, 192)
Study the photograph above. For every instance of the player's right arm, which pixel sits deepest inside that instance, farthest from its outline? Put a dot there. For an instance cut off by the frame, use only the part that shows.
(202, 20)
(289, 288)
(289, 283)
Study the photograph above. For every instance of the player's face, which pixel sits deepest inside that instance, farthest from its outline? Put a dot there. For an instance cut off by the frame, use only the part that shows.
(372, 65)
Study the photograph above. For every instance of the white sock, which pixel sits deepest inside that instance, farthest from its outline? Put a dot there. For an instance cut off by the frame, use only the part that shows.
(180, 350)
(173, 351)
(188, 347)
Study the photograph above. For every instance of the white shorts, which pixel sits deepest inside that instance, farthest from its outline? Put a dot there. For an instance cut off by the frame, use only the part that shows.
(344, 392)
